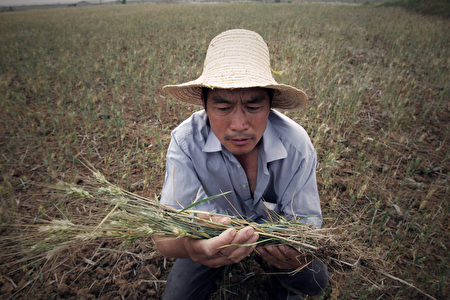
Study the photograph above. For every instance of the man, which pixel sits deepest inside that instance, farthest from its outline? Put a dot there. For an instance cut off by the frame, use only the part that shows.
(238, 143)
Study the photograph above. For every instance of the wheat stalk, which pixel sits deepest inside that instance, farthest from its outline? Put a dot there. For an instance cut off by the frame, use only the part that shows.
(132, 217)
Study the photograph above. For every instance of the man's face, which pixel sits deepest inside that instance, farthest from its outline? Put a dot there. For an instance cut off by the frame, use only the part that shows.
(238, 117)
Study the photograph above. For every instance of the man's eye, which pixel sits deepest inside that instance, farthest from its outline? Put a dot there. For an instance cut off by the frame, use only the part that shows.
(253, 108)
(223, 108)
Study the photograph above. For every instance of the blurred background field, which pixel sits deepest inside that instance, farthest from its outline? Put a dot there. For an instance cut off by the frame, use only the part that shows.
(86, 82)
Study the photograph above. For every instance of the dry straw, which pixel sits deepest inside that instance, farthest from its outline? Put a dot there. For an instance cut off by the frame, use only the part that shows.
(131, 217)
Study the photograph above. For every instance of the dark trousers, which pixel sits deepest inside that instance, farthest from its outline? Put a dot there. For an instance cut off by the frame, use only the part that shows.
(190, 280)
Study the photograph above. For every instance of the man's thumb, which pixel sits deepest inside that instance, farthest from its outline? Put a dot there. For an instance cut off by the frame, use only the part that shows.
(223, 239)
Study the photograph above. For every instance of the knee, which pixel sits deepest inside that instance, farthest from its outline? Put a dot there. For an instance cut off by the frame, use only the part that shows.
(312, 280)
(318, 279)
(320, 282)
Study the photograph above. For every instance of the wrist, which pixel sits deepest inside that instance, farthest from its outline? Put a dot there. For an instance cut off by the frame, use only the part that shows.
(170, 247)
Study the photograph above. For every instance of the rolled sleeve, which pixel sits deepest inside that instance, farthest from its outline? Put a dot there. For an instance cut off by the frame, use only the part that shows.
(181, 184)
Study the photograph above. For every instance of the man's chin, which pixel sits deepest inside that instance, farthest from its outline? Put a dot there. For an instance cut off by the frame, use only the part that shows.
(240, 150)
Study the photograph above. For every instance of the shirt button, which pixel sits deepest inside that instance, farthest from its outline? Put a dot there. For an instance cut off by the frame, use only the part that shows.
(238, 166)
(244, 186)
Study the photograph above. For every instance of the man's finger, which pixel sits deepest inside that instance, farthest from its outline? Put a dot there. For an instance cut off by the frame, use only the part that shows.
(214, 218)
(288, 251)
(217, 262)
(283, 257)
(275, 252)
(213, 245)
(221, 219)
(266, 255)
(243, 237)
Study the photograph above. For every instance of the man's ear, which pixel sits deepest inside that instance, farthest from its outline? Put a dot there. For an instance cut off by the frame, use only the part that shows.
(203, 102)
(204, 96)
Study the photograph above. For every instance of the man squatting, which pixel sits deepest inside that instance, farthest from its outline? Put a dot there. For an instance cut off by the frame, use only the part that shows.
(239, 143)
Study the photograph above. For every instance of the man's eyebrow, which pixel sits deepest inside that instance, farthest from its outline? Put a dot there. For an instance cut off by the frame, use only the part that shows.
(252, 100)
(220, 100)
(255, 100)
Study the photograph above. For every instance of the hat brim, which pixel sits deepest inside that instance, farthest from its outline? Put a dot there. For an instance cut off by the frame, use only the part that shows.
(284, 97)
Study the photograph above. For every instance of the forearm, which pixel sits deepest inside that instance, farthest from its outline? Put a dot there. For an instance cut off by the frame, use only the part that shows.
(171, 247)
(178, 247)
(214, 252)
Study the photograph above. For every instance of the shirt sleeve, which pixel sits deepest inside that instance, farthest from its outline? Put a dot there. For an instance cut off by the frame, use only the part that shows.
(181, 184)
(301, 197)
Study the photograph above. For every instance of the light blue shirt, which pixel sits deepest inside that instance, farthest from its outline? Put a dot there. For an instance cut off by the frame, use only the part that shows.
(198, 166)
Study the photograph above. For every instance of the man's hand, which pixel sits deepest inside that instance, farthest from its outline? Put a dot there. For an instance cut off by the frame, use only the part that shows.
(282, 257)
(222, 250)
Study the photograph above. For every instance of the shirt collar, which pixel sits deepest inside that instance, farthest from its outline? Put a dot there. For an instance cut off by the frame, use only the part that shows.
(212, 143)
(273, 147)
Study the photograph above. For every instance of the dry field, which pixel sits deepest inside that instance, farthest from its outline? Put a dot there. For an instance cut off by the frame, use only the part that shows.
(86, 82)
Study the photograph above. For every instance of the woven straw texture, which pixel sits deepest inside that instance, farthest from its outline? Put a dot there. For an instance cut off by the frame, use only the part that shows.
(238, 58)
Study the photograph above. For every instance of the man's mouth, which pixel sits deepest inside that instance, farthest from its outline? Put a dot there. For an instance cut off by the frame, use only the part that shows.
(239, 141)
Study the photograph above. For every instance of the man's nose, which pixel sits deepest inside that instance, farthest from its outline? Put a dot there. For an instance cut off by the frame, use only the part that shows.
(239, 120)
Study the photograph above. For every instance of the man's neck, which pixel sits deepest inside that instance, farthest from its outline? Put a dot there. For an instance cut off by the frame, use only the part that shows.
(249, 162)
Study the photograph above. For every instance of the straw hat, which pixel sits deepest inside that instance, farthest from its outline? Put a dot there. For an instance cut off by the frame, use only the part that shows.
(238, 58)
